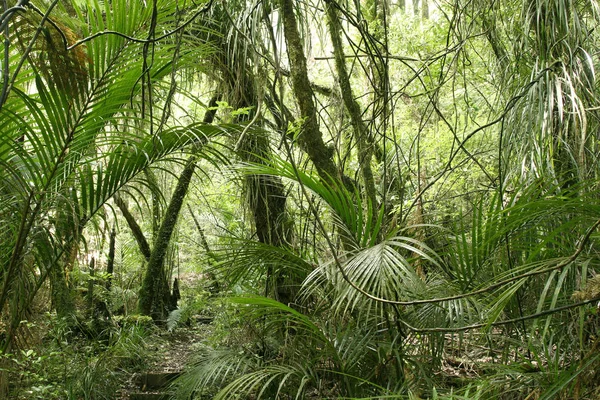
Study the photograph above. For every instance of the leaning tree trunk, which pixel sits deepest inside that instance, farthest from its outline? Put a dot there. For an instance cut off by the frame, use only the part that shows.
(310, 138)
(138, 234)
(155, 286)
(360, 129)
(154, 298)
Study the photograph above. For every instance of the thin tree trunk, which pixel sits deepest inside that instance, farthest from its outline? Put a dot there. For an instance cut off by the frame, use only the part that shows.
(359, 127)
(377, 15)
(203, 241)
(90, 288)
(110, 260)
(138, 234)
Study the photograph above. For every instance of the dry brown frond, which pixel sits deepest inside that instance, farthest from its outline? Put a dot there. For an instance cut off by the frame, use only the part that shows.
(590, 291)
(66, 69)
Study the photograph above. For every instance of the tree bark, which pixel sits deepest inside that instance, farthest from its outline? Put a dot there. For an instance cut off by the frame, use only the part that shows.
(110, 259)
(155, 288)
(310, 138)
(155, 298)
(360, 130)
(138, 234)
(203, 241)
(61, 294)
(156, 204)
(90, 288)
(424, 9)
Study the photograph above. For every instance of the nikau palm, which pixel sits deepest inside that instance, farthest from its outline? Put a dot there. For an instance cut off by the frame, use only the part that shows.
(425, 202)
(74, 132)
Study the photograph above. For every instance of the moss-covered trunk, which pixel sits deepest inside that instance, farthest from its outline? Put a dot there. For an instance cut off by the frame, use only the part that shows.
(359, 128)
(155, 298)
(310, 138)
(62, 299)
(138, 234)
(266, 199)
(155, 286)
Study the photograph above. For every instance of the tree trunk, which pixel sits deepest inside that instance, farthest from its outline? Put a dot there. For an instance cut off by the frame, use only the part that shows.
(90, 288)
(377, 16)
(61, 294)
(310, 138)
(155, 298)
(203, 240)
(424, 9)
(155, 196)
(138, 234)
(266, 199)
(110, 260)
(155, 288)
(359, 127)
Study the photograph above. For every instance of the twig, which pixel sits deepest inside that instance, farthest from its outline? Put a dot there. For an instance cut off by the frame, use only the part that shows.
(498, 323)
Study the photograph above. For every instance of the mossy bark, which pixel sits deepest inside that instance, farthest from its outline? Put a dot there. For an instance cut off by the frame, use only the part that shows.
(68, 232)
(155, 299)
(360, 129)
(266, 200)
(156, 203)
(62, 298)
(155, 288)
(310, 139)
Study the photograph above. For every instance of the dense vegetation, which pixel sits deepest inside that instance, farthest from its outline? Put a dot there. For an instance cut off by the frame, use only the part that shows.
(377, 199)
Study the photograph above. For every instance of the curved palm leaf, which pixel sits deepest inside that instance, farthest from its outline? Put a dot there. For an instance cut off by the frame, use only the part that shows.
(359, 224)
(76, 131)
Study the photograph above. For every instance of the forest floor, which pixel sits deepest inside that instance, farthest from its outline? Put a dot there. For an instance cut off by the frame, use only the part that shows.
(177, 348)
(170, 352)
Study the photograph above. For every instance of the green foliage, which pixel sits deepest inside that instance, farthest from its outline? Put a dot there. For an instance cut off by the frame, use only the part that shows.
(70, 366)
(33, 380)
(468, 270)
(190, 306)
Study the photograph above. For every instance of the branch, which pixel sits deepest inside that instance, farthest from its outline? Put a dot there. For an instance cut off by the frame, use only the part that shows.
(498, 323)
(140, 238)
(130, 38)
(6, 15)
